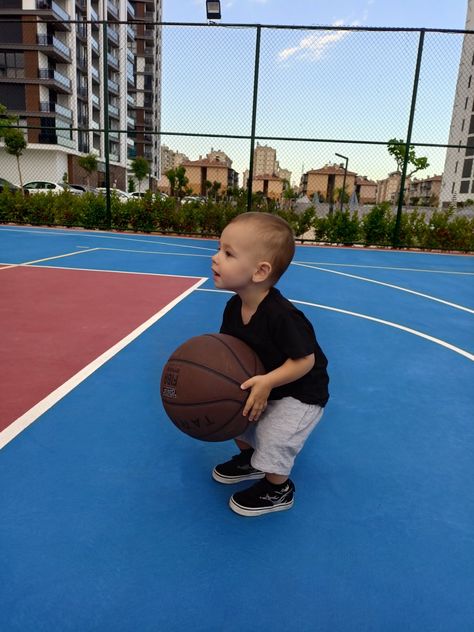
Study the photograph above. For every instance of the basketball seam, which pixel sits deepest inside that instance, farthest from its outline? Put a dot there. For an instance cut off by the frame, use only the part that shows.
(212, 401)
(232, 352)
(203, 366)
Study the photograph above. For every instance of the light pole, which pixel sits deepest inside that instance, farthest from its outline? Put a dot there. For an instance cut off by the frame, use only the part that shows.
(344, 179)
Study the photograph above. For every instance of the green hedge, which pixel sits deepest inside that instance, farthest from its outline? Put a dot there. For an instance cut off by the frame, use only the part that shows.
(444, 230)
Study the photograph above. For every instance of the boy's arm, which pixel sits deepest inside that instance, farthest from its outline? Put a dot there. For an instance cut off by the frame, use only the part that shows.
(261, 385)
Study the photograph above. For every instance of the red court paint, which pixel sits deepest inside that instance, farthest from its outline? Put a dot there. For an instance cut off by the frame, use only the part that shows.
(54, 322)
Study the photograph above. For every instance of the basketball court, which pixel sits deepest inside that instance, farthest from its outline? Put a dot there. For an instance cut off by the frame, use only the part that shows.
(110, 519)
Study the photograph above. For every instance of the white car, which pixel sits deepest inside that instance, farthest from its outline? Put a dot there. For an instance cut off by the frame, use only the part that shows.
(44, 186)
(158, 195)
(123, 196)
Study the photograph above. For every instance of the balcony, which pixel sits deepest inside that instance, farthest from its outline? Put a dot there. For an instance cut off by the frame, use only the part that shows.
(113, 61)
(60, 81)
(60, 110)
(112, 9)
(113, 86)
(95, 46)
(114, 111)
(82, 92)
(53, 47)
(53, 12)
(95, 74)
(95, 101)
(130, 32)
(130, 9)
(113, 36)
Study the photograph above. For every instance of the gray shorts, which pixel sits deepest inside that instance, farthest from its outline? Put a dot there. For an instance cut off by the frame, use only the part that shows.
(280, 433)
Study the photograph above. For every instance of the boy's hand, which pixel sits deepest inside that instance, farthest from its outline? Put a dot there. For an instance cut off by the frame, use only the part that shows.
(257, 399)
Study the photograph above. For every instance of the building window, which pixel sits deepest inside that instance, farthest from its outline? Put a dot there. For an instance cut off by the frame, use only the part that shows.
(467, 168)
(12, 65)
(465, 104)
(456, 167)
(469, 82)
(464, 186)
(462, 125)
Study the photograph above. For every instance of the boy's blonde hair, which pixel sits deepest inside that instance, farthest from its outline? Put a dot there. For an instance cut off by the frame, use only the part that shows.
(275, 238)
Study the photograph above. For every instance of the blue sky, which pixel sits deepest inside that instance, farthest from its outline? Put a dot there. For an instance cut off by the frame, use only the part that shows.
(327, 85)
(448, 14)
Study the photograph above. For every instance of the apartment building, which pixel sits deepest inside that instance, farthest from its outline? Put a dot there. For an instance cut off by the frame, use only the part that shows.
(205, 170)
(62, 70)
(326, 182)
(458, 175)
(366, 190)
(388, 188)
(425, 192)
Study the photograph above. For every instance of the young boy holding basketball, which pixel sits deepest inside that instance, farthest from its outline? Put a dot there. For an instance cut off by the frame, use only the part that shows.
(285, 404)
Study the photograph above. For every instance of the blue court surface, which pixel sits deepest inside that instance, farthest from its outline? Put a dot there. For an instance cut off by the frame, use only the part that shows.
(110, 520)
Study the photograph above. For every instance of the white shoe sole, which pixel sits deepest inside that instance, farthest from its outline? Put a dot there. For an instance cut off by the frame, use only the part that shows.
(231, 480)
(245, 511)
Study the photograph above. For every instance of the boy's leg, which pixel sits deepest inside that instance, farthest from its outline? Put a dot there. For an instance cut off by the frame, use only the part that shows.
(279, 437)
(239, 467)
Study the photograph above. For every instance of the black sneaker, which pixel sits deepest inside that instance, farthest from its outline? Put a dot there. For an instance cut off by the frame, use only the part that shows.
(262, 498)
(236, 470)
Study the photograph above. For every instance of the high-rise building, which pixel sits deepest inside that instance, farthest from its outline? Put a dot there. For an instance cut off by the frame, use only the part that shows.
(458, 176)
(63, 64)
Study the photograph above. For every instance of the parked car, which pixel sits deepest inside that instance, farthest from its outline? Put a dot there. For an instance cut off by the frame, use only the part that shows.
(81, 188)
(6, 185)
(45, 186)
(123, 196)
(140, 194)
(193, 198)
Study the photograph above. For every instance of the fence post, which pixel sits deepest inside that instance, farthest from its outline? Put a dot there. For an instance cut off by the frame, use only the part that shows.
(105, 71)
(254, 117)
(396, 232)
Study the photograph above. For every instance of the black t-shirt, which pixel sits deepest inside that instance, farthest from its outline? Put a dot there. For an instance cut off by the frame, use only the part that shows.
(278, 331)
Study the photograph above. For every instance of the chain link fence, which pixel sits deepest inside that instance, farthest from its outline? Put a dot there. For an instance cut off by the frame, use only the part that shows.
(273, 102)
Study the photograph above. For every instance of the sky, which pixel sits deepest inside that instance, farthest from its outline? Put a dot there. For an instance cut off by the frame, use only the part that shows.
(332, 85)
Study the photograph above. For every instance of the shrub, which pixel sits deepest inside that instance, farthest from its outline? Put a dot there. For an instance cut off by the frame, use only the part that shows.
(377, 225)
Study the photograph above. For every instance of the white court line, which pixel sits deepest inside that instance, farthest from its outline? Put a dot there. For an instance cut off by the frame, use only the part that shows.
(160, 274)
(155, 252)
(395, 287)
(28, 263)
(351, 265)
(45, 404)
(150, 240)
(388, 323)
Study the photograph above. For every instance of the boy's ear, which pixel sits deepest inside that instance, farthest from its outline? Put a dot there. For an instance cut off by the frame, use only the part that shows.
(263, 271)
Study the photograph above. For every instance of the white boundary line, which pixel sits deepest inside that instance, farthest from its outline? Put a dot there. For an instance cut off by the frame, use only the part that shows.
(370, 267)
(388, 323)
(390, 285)
(28, 263)
(45, 404)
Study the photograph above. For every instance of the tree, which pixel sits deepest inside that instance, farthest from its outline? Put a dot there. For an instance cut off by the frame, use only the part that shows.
(397, 148)
(141, 169)
(15, 143)
(178, 181)
(6, 121)
(89, 164)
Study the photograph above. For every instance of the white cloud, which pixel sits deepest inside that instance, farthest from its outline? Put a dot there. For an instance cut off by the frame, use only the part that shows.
(314, 46)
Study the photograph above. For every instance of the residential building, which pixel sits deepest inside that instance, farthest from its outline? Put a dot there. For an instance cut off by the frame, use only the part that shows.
(61, 77)
(326, 182)
(270, 185)
(425, 192)
(205, 170)
(264, 160)
(366, 190)
(458, 175)
(388, 188)
(171, 159)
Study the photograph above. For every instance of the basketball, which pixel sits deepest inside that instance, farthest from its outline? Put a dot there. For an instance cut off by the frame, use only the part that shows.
(200, 386)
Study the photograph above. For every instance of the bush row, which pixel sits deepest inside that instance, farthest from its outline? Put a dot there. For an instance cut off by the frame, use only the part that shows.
(444, 230)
